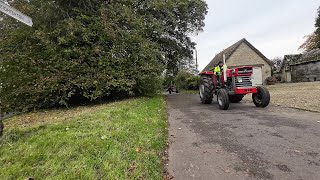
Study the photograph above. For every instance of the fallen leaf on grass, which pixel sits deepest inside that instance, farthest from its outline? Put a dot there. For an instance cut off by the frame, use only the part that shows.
(138, 150)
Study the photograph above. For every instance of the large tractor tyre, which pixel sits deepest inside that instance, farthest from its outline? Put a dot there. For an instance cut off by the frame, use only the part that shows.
(206, 90)
(223, 99)
(236, 98)
(262, 97)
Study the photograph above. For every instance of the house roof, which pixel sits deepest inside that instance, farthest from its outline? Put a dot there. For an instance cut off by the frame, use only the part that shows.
(230, 50)
(289, 59)
(310, 56)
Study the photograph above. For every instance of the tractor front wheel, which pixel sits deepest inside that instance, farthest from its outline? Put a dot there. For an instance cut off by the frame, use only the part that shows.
(206, 90)
(223, 99)
(262, 97)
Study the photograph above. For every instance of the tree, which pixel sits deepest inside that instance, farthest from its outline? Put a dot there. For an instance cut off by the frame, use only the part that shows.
(88, 50)
(313, 40)
(186, 80)
(277, 61)
(1, 127)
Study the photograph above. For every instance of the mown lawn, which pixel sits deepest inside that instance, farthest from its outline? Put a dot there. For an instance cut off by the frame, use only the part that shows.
(303, 95)
(121, 140)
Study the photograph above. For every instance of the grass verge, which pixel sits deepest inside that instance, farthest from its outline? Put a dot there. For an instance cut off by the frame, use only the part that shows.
(121, 140)
(190, 91)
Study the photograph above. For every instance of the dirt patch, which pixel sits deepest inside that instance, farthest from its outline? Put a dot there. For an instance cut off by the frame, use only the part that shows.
(304, 95)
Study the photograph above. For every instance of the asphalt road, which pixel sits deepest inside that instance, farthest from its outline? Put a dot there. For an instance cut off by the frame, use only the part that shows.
(244, 142)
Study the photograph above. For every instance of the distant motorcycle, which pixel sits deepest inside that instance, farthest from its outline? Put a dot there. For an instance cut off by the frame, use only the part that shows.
(172, 89)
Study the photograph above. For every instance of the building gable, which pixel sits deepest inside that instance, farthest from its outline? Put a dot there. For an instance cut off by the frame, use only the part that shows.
(231, 50)
(245, 55)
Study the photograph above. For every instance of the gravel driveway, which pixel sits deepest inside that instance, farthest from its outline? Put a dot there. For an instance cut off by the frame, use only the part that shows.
(296, 95)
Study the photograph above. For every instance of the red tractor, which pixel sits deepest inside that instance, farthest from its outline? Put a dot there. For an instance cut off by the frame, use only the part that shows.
(232, 86)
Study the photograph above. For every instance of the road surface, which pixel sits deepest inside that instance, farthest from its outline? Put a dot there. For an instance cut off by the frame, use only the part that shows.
(244, 142)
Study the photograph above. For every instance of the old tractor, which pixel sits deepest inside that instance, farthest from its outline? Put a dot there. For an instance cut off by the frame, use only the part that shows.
(232, 86)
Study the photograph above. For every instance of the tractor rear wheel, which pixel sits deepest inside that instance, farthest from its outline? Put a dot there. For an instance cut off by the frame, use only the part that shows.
(262, 97)
(236, 98)
(206, 90)
(223, 99)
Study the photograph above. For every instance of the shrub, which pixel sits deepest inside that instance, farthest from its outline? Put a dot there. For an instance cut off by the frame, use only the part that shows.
(187, 81)
(193, 83)
(271, 80)
(84, 51)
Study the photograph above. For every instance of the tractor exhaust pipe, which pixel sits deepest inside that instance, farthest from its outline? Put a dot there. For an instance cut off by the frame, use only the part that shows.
(224, 68)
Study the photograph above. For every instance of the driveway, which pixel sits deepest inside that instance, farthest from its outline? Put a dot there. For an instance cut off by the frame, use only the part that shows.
(244, 142)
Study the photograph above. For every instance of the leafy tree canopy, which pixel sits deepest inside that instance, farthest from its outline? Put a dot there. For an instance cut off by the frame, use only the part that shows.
(313, 40)
(86, 50)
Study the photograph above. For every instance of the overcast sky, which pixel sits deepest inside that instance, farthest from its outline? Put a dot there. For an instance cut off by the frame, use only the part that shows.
(275, 27)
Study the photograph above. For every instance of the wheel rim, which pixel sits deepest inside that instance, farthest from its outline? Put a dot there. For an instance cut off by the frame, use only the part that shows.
(258, 98)
(201, 88)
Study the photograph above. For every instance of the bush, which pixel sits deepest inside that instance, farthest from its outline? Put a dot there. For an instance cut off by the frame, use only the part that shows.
(88, 50)
(271, 80)
(278, 77)
(193, 83)
(187, 81)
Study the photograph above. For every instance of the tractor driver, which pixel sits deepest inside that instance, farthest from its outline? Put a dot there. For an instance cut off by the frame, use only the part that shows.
(217, 71)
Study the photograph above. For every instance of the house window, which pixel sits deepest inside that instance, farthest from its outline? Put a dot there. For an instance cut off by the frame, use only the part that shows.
(315, 79)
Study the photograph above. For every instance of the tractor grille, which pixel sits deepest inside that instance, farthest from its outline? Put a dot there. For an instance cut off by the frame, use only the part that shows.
(244, 70)
(245, 81)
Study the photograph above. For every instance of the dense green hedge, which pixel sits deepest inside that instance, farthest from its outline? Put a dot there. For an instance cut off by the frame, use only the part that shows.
(80, 51)
(187, 81)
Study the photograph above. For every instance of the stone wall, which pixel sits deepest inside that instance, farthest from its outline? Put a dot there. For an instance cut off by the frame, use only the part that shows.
(244, 55)
(306, 72)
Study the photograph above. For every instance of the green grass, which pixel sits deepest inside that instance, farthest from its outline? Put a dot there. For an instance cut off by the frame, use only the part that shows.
(190, 91)
(121, 140)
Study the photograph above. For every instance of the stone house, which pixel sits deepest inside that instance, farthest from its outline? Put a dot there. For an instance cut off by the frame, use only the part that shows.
(243, 53)
(285, 71)
(301, 67)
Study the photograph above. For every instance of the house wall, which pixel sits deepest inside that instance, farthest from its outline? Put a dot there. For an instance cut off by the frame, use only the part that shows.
(306, 72)
(288, 76)
(285, 75)
(244, 55)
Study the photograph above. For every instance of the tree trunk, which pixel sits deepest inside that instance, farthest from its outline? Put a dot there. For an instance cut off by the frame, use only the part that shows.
(1, 128)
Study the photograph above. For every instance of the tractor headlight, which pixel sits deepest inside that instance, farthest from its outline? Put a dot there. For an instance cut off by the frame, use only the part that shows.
(239, 79)
(251, 78)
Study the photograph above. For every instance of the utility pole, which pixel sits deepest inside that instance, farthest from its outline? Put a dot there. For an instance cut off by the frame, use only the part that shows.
(197, 61)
